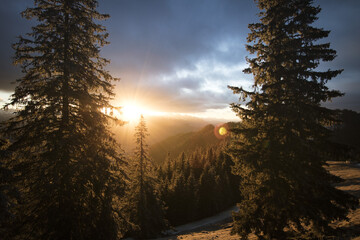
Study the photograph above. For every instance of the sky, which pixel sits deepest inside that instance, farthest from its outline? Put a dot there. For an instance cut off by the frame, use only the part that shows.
(179, 56)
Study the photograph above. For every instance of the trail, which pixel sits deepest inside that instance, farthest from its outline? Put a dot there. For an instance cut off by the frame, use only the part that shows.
(219, 226)
(224, 216)
(215, 227)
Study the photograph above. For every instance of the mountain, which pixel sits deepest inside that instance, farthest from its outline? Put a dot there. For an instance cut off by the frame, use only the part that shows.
(185, 142)
(175, 134)
(159, 128)
(348, 133)
(5, 114)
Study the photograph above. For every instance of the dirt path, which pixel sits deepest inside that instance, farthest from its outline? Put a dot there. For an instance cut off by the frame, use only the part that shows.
(349, 172)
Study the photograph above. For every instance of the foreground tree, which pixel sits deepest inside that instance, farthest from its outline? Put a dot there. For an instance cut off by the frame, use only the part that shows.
(146, 210)
(8, 193)
(65, 159)
(282, 144)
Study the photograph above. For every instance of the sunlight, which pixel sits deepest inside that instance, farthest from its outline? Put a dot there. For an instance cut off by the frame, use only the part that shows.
(129, 112)
(132, 112)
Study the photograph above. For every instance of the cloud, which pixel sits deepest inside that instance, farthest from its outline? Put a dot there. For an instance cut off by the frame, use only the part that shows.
(196, 89)
(176, 54)
(343, 20)
(180, 55)
(159, 36)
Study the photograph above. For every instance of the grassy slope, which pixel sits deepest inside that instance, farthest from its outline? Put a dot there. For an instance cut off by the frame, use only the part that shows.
(349, 172)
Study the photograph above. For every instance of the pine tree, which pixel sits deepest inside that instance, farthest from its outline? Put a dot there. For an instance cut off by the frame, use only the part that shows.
(281, 146)
(146, 208)
(64, 155)
(8, 192)
(198, 189)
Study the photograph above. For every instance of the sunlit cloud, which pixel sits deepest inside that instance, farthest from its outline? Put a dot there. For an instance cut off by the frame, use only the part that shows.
(4, 97)
(172, 58)
(221, 114)
(198, 90)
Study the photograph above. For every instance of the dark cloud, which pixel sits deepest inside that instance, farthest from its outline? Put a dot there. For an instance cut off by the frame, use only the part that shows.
(179, 55)
(160, 36)
(11, 26)
(343, 20)
(158, 39)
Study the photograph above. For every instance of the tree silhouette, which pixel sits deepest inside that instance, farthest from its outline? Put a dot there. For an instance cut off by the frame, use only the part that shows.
(193, 190)
(282, 144)
(145, 208)
(8, 192)
(65, 158)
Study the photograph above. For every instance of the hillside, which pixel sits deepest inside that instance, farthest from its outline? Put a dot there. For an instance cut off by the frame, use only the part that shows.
(159, 128)
(5, 115)
(184, 142)
(350, 230)
(348, 131)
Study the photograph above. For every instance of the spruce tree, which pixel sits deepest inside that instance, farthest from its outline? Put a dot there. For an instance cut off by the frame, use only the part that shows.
(199, 190)
(282, 143)
(146, 210)
(64, 156)
(8, 192)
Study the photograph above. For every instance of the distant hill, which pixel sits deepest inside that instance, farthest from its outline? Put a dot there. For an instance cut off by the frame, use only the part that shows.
(5, 115)
(159, 128)
(185, 142)
(348, 132)
(173, 134)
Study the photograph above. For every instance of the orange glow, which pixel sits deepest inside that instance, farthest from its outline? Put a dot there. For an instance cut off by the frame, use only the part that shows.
(132, 112)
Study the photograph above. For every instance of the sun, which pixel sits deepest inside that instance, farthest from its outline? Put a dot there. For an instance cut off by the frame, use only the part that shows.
(132, 112)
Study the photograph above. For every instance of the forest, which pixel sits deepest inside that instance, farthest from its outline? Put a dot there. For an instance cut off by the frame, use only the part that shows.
(67, 172)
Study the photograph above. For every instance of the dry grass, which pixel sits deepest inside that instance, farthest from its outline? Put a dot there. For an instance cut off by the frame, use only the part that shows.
(349, 172)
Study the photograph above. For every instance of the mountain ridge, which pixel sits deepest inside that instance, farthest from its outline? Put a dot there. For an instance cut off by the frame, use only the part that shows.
(184, 142)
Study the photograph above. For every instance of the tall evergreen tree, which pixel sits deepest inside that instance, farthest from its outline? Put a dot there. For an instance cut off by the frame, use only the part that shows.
(63, 153)
(146, 209)
(281, 146)
(8, 192)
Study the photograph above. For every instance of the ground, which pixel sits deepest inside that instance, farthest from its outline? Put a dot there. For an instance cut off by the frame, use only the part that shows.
(350, 172)
(220, 229)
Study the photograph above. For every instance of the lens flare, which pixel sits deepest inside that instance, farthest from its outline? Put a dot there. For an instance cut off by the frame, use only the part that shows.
(221, 131)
